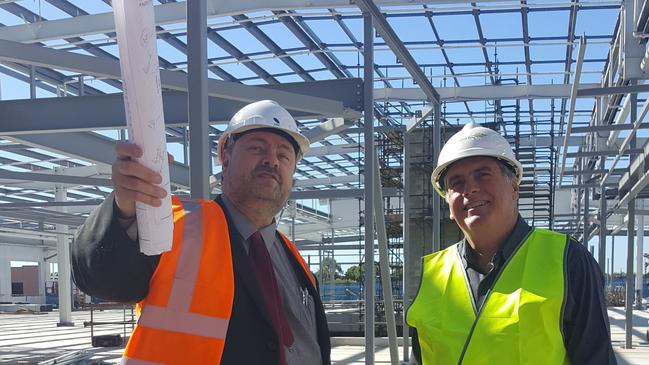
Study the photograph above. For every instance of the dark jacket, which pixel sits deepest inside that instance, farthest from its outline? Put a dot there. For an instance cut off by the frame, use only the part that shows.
(107, 264)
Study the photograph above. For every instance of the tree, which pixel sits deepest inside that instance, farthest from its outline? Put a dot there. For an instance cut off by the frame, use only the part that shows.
(328, 268)
(354, 273)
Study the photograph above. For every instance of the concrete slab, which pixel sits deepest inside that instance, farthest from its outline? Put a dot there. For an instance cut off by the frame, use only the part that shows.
(22, 308)
(639, 353)
(36, 337)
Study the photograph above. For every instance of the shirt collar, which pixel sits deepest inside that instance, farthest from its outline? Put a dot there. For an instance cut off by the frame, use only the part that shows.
(244, 226)
(520, 231)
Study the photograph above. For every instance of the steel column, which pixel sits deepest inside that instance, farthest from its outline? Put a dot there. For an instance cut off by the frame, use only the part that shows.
(628, 302)
(437, 141)
(406, 243)
(639, 258)
(612, 258)
(199, 142)
(386, 283)
(63, 257)
(81, 87)
(601, 254)
(586, 216)
(32, 82)
(368, 79)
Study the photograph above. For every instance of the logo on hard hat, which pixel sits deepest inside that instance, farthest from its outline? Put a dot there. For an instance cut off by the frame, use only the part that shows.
(276, 122)
(476, 136)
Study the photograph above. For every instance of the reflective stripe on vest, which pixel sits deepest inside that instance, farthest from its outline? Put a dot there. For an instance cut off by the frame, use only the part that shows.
(184, 318)
(185, 315)
(520, 322)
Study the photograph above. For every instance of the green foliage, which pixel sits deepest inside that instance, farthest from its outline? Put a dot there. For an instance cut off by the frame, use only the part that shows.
(328, 267)
(354, 274)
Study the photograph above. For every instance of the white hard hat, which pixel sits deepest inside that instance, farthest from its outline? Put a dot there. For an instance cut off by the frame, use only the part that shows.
(472, 141)
(264, 114)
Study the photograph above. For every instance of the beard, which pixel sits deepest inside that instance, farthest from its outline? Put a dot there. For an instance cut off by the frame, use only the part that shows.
(262, 184)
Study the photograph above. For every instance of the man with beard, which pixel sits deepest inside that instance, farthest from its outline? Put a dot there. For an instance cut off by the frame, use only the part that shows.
(232, 290)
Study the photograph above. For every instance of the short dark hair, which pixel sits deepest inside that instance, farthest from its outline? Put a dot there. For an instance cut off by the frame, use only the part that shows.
(506, 169)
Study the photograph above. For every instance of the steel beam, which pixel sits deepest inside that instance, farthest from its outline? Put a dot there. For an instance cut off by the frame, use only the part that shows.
(593, 172)
(349, 179)
(399, 49)
(31, 216)
(54, 178)
(620, 119)
(573, 96)
(94, 148)
(90, 202)
(328, 128)
(417, 120)
(336, 149)
(486, 92)
(584, 92)
(602, 153)
(109, 68)
(337, 194)
(606, 128)
(170, 13)
(586, 185)
(44, 115)
(628, 141)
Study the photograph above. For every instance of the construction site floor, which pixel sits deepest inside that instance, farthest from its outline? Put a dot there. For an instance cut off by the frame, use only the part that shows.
(30, 338)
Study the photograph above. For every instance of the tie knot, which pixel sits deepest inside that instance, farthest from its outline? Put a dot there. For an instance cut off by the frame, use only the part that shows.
(256, 239)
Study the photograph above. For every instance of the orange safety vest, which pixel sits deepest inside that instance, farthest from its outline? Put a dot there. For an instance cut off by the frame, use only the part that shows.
(185, 315)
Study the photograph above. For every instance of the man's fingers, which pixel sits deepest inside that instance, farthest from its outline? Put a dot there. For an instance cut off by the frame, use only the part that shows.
(138, 185)
(125, 150)
(133, 195)
(136, 169)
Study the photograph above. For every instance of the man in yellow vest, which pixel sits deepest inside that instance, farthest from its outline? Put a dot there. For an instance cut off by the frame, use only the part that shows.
(232, 290)
(507, 293)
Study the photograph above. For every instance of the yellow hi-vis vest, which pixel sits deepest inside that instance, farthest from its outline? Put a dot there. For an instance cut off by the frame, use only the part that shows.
(185, 316)
(520, 321)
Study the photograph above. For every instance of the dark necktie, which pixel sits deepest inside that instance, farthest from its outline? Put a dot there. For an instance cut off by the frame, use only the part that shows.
(263, 267)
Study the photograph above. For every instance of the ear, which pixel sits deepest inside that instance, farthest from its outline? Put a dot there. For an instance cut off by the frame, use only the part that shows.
(450, 210)
(516, 190)
(225, 158)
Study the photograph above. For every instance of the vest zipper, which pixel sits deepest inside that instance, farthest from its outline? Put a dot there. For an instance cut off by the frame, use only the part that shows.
(484, 302)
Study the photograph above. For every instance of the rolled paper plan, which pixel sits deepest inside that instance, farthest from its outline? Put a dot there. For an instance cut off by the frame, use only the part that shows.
(138, 58)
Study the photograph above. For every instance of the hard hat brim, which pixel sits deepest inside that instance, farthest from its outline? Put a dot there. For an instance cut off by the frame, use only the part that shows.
(438, 173)
(302, 142)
